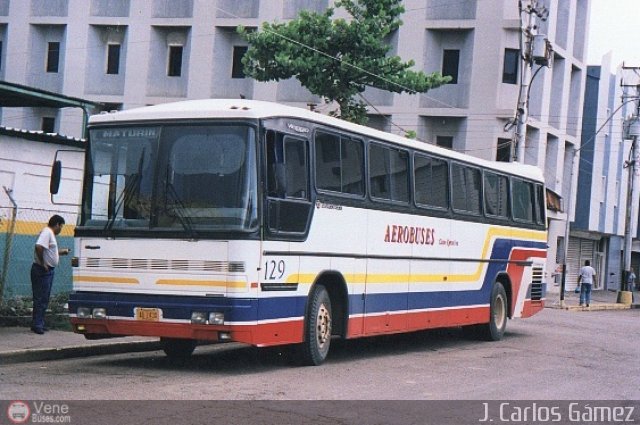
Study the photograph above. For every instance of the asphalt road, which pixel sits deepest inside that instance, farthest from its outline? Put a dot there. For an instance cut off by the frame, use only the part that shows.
(556, 355)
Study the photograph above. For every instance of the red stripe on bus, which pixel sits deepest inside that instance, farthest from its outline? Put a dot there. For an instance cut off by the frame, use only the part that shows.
(516, 271)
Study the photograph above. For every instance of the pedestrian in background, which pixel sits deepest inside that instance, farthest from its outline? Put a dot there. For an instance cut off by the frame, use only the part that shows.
(585, 280)
(46, 256)
(631, 280)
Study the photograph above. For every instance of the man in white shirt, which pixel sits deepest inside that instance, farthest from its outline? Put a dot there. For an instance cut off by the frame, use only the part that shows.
(585, 280)
(46, 256)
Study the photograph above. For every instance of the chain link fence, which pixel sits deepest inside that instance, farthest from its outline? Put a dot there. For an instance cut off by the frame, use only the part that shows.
(19, 230)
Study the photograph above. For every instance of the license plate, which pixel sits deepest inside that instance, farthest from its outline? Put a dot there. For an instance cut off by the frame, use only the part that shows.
(148, 314)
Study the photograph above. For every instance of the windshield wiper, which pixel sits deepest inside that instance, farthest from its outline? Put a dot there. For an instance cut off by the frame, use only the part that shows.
(125, 197)
(180, 210)
(127, 193)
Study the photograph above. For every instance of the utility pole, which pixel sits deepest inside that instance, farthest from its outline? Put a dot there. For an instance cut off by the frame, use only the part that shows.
(535, 49)
(632, 131)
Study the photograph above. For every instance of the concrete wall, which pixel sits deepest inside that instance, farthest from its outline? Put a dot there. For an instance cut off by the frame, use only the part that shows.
(25, 167)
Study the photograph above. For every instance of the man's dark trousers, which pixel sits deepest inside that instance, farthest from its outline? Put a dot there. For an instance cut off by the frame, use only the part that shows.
(41, 281)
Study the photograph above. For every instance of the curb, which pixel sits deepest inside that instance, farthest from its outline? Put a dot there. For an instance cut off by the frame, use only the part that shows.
(42, 354)
(593, 307)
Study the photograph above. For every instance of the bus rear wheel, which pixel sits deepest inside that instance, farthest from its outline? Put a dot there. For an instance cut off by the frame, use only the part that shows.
(494, 330)
(315, 348)
(178, 349)
(498, 314)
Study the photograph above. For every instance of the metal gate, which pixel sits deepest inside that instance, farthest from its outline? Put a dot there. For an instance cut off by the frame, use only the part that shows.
(580, 250)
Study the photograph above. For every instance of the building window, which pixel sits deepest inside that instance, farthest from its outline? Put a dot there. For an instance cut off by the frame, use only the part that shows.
(53, 56)
(175, 61)
(445, 141)
(450, 63)
(510, 68)
(48, 124)
(113, 59)
(237, 70)
(503, 150)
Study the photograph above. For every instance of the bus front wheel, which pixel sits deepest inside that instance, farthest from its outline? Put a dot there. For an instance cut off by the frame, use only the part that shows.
(315, 348)
(176, 348)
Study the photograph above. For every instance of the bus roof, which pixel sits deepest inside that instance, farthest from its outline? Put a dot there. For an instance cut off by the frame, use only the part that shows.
(256, 109)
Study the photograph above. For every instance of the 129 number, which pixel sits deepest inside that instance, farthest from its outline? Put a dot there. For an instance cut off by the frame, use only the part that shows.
(274, 269)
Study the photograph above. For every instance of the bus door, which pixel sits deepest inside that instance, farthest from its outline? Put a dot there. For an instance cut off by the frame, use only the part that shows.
(288, 209)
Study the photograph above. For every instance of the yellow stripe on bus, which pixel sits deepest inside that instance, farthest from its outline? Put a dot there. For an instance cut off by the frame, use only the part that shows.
(194, 282)
(387, 278)
(106, 279)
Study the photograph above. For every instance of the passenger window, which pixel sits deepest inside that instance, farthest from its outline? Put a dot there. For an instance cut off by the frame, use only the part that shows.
(339, 164)
(496, 195)
(431, 182)
(388, 173)
(466, 185)
(523, 200)
(542, 204)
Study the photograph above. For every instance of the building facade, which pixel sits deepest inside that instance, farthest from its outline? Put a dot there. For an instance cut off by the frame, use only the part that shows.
(597, 234)
(130, 53)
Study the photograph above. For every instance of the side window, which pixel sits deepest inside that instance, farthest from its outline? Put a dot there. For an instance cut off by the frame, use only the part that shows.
(466, 185)
(496, 195)
(287, 175)
(523, 200)
(388, 173)
(431, 182)
(541, 204)
(288, 208)
(339, 164)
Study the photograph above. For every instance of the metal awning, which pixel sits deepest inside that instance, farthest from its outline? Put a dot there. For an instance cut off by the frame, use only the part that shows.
(16, 96)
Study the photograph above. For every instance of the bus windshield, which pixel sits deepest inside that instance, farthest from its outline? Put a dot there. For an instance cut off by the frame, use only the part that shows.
(186, 178)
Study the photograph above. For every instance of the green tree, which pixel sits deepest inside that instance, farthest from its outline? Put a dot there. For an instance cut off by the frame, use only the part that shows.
(337, 58)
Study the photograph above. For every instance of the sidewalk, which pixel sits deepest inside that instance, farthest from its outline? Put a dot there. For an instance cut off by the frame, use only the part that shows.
(600, 300)
(19, 344)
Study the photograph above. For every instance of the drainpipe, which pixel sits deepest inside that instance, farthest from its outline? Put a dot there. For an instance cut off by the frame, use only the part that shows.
(7, 247)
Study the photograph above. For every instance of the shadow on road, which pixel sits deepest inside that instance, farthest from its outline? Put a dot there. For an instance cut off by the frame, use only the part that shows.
(234, 359)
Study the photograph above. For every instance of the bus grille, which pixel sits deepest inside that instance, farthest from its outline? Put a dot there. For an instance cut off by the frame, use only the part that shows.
(536, 283)
(161, 264)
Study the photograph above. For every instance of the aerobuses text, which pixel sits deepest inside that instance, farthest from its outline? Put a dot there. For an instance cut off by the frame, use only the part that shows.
(410, 235)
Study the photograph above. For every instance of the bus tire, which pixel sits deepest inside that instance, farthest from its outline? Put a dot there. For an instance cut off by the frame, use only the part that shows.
(498, 315)
(176, 348)
(317, 333)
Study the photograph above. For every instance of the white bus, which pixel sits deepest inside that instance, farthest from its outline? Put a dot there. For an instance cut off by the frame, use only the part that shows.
(249, 221)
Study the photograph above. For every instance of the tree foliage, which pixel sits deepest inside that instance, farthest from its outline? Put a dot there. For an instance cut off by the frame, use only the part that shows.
(337, 58)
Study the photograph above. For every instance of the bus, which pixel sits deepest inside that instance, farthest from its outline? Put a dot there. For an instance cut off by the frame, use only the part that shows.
(264, 224)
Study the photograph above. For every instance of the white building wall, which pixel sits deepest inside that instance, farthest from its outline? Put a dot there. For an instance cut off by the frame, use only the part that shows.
(474, 111)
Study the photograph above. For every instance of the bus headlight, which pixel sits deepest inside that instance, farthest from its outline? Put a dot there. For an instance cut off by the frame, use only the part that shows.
(83, 313)
(99, 313)
(198, 318)
(216, 318)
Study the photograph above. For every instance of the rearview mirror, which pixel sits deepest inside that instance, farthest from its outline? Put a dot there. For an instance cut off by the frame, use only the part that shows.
(56, 175)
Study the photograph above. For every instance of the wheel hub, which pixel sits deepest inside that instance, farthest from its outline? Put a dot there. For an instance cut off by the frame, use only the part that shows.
(324, 324)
